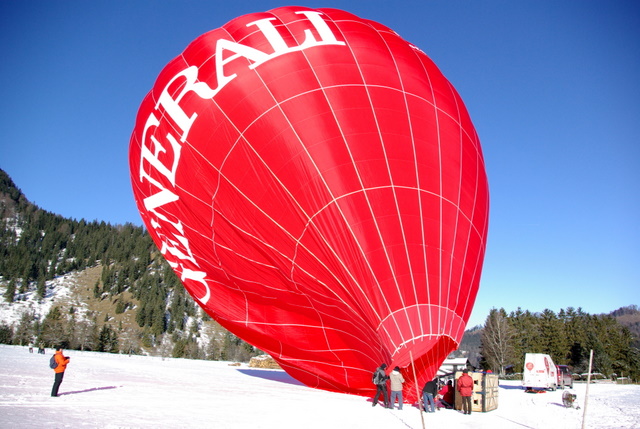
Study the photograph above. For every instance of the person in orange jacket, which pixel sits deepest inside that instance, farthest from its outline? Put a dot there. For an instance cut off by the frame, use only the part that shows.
(465, 387)
(62, 361)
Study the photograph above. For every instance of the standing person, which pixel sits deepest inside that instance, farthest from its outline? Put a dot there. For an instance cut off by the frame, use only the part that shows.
(62, 362)
(428, 394)
(380, 378)
(396, 387)
(465, 387)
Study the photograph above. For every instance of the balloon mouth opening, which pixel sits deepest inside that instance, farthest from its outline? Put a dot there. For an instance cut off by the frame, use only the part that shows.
(417, 326)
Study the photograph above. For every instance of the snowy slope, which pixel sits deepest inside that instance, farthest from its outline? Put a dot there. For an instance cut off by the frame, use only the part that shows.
(117, 391)
(58, 290)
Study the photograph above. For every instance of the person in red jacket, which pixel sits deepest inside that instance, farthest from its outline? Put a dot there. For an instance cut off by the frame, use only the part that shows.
(465, 387)
(62, 361)
(446, 394)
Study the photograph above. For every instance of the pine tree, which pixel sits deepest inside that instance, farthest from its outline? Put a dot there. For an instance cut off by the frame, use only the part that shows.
(576, 327)
(41, 287)
(141, 316)
(552, 337)
(525, 336)
(179, 348)
(6, 333)
(158, 325)
(10, 293)
(97, 292)
(108, 339)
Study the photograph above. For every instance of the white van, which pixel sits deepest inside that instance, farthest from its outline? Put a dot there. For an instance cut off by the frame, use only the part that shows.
(539, 372)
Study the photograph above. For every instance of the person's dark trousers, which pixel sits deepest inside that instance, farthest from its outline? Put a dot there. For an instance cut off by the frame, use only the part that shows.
(57, 383)
(381, 390)
(466, 404)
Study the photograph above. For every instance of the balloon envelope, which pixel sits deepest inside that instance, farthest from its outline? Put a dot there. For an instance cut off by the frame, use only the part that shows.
(319, 188)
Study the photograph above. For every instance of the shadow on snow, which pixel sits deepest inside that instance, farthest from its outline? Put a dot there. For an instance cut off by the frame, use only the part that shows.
(279, 376)
(93, 389)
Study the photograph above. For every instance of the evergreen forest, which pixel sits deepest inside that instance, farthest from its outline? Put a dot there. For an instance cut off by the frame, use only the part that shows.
(36, 246)
(567, 336)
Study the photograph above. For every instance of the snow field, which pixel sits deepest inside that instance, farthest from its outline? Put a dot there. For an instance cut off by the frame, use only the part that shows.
(117, 391)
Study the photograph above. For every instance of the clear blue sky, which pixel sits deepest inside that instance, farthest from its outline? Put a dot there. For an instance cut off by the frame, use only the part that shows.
(553, 89)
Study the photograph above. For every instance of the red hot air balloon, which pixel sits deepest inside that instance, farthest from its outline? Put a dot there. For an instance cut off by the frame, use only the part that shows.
(319, 188)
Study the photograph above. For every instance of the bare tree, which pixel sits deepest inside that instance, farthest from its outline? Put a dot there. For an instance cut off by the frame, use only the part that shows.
(87, 334)
(497, 346)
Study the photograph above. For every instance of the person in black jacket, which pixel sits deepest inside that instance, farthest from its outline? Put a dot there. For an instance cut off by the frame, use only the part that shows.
(380, 378)
(429, 392)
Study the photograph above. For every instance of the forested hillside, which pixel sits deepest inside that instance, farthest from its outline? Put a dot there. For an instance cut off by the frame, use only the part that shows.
(567, 336)
(130, 282)
(629, 316)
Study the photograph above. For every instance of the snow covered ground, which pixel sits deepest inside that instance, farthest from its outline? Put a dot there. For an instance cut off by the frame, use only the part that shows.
(58, 289)
(117, 391)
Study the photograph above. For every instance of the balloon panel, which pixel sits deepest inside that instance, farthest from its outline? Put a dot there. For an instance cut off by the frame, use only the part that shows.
(319, 188)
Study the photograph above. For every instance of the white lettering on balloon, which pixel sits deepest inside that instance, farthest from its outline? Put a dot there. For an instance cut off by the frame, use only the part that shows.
(156, 150)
